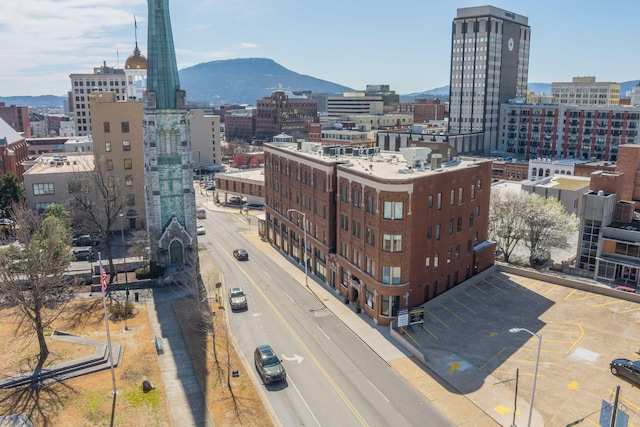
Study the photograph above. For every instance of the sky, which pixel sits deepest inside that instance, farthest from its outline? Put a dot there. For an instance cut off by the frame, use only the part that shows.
(350, 42)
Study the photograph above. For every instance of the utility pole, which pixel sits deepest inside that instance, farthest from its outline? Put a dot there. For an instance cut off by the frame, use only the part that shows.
(614, 408)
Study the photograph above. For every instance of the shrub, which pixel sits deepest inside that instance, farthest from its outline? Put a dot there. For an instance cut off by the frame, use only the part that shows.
(119, 310)
(149, 272)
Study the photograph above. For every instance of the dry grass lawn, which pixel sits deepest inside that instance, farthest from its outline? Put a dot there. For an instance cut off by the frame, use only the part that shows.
(88, 400)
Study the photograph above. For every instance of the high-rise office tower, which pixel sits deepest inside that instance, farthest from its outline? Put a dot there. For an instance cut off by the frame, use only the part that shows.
(489, 66)
(171, 219)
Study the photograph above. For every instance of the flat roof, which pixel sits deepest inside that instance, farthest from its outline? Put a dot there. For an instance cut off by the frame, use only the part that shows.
(388, 165)
(61, 163)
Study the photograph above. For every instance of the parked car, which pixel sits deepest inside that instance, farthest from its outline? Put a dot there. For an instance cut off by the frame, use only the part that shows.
(268, 365)
(241, 255)
(83, 254)
(237, 298)
(83, 240)
(255, 206)
(626, 369)
(626, 289)
(200, 230)
(201, 213)
(210, 187)
(235, 200)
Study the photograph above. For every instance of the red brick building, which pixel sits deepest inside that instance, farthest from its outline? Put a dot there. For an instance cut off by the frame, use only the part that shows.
(284, 111)
(385, 233)
(17, 118)
(424, 110)
(13, 151)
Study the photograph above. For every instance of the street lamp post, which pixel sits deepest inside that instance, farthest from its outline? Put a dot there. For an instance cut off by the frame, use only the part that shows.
(304, 249)
(535, 374)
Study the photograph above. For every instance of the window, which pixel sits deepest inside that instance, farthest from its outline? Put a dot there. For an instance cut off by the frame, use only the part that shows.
(371, 205)
(109, 164)
(429, 233)
(107, 146)
(357, 198)
(437, 231)
(43, 189)
(449, 256)
(427, 263)
(473, 192)
(125, 127)
(436, 260)
(355, 228)
(344, 222)
(439, 201)
(469, 247)
(477, 211)
(390, 275)
(128, 164)
(344, 194)
(430, 200)
(392, 242)
(370, 236)
(453, 197)
(457, 252)
(107, 127)
(131, 201)
(369, 296)
(128, 180)
(460, 196)
(126, 145)
(471, 220)
(110, 182)
(40, 206)
(459, 224)
(450, 226)
(393, 210)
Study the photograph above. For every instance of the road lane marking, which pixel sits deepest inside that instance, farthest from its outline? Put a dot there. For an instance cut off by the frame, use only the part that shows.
(303, 401)
(288, 296)
(378, 390)
(297, 338)
(323, 332)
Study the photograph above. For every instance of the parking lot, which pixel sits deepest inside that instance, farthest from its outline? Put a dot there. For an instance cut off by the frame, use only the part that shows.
(581, 333)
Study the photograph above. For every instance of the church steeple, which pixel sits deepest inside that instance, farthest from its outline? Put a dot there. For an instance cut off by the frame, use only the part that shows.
(162, 69)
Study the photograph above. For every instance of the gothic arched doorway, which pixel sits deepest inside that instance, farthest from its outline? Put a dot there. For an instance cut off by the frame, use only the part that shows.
(176, 252)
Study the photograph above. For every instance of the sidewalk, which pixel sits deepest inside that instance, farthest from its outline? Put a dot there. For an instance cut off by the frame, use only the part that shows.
(187, 406)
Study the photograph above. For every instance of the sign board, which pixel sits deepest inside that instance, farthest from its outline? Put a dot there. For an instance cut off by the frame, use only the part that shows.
(416, 316)
(403, 317)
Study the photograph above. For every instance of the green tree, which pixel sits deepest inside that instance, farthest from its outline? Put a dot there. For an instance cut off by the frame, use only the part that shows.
(10, 192)
(32, 271)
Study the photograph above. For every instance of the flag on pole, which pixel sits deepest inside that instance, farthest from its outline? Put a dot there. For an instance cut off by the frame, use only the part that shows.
(103, 281)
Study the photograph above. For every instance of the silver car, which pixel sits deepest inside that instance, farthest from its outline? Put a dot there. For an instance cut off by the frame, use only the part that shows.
(237, 298)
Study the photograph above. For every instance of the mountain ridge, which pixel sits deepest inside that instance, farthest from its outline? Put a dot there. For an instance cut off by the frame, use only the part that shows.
(246, 80)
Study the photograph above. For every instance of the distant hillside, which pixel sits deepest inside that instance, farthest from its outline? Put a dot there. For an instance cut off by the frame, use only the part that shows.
(42, 101)
(243, 81)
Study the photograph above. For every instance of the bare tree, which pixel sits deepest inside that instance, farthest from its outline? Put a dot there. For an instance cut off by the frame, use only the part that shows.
(32, 270)
(98, 200)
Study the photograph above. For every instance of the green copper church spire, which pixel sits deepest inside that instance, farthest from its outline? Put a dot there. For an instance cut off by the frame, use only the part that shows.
(162, 70)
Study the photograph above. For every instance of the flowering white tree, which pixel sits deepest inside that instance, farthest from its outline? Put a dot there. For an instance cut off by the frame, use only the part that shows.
(506, 219)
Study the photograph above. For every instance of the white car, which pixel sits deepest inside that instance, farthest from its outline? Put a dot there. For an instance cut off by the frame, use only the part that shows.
(200, 229)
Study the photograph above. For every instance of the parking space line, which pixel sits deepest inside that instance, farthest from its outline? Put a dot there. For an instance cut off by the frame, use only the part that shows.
(453, 313)
(493, 358)
(475, 299)
(436, 317)
(493, 285)
(480, 289)
(561, 332)
(579, 339)
(456, 300)
(429, 332)
(609, 303)
(415, 342)
(629, 311)
(550, 289)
